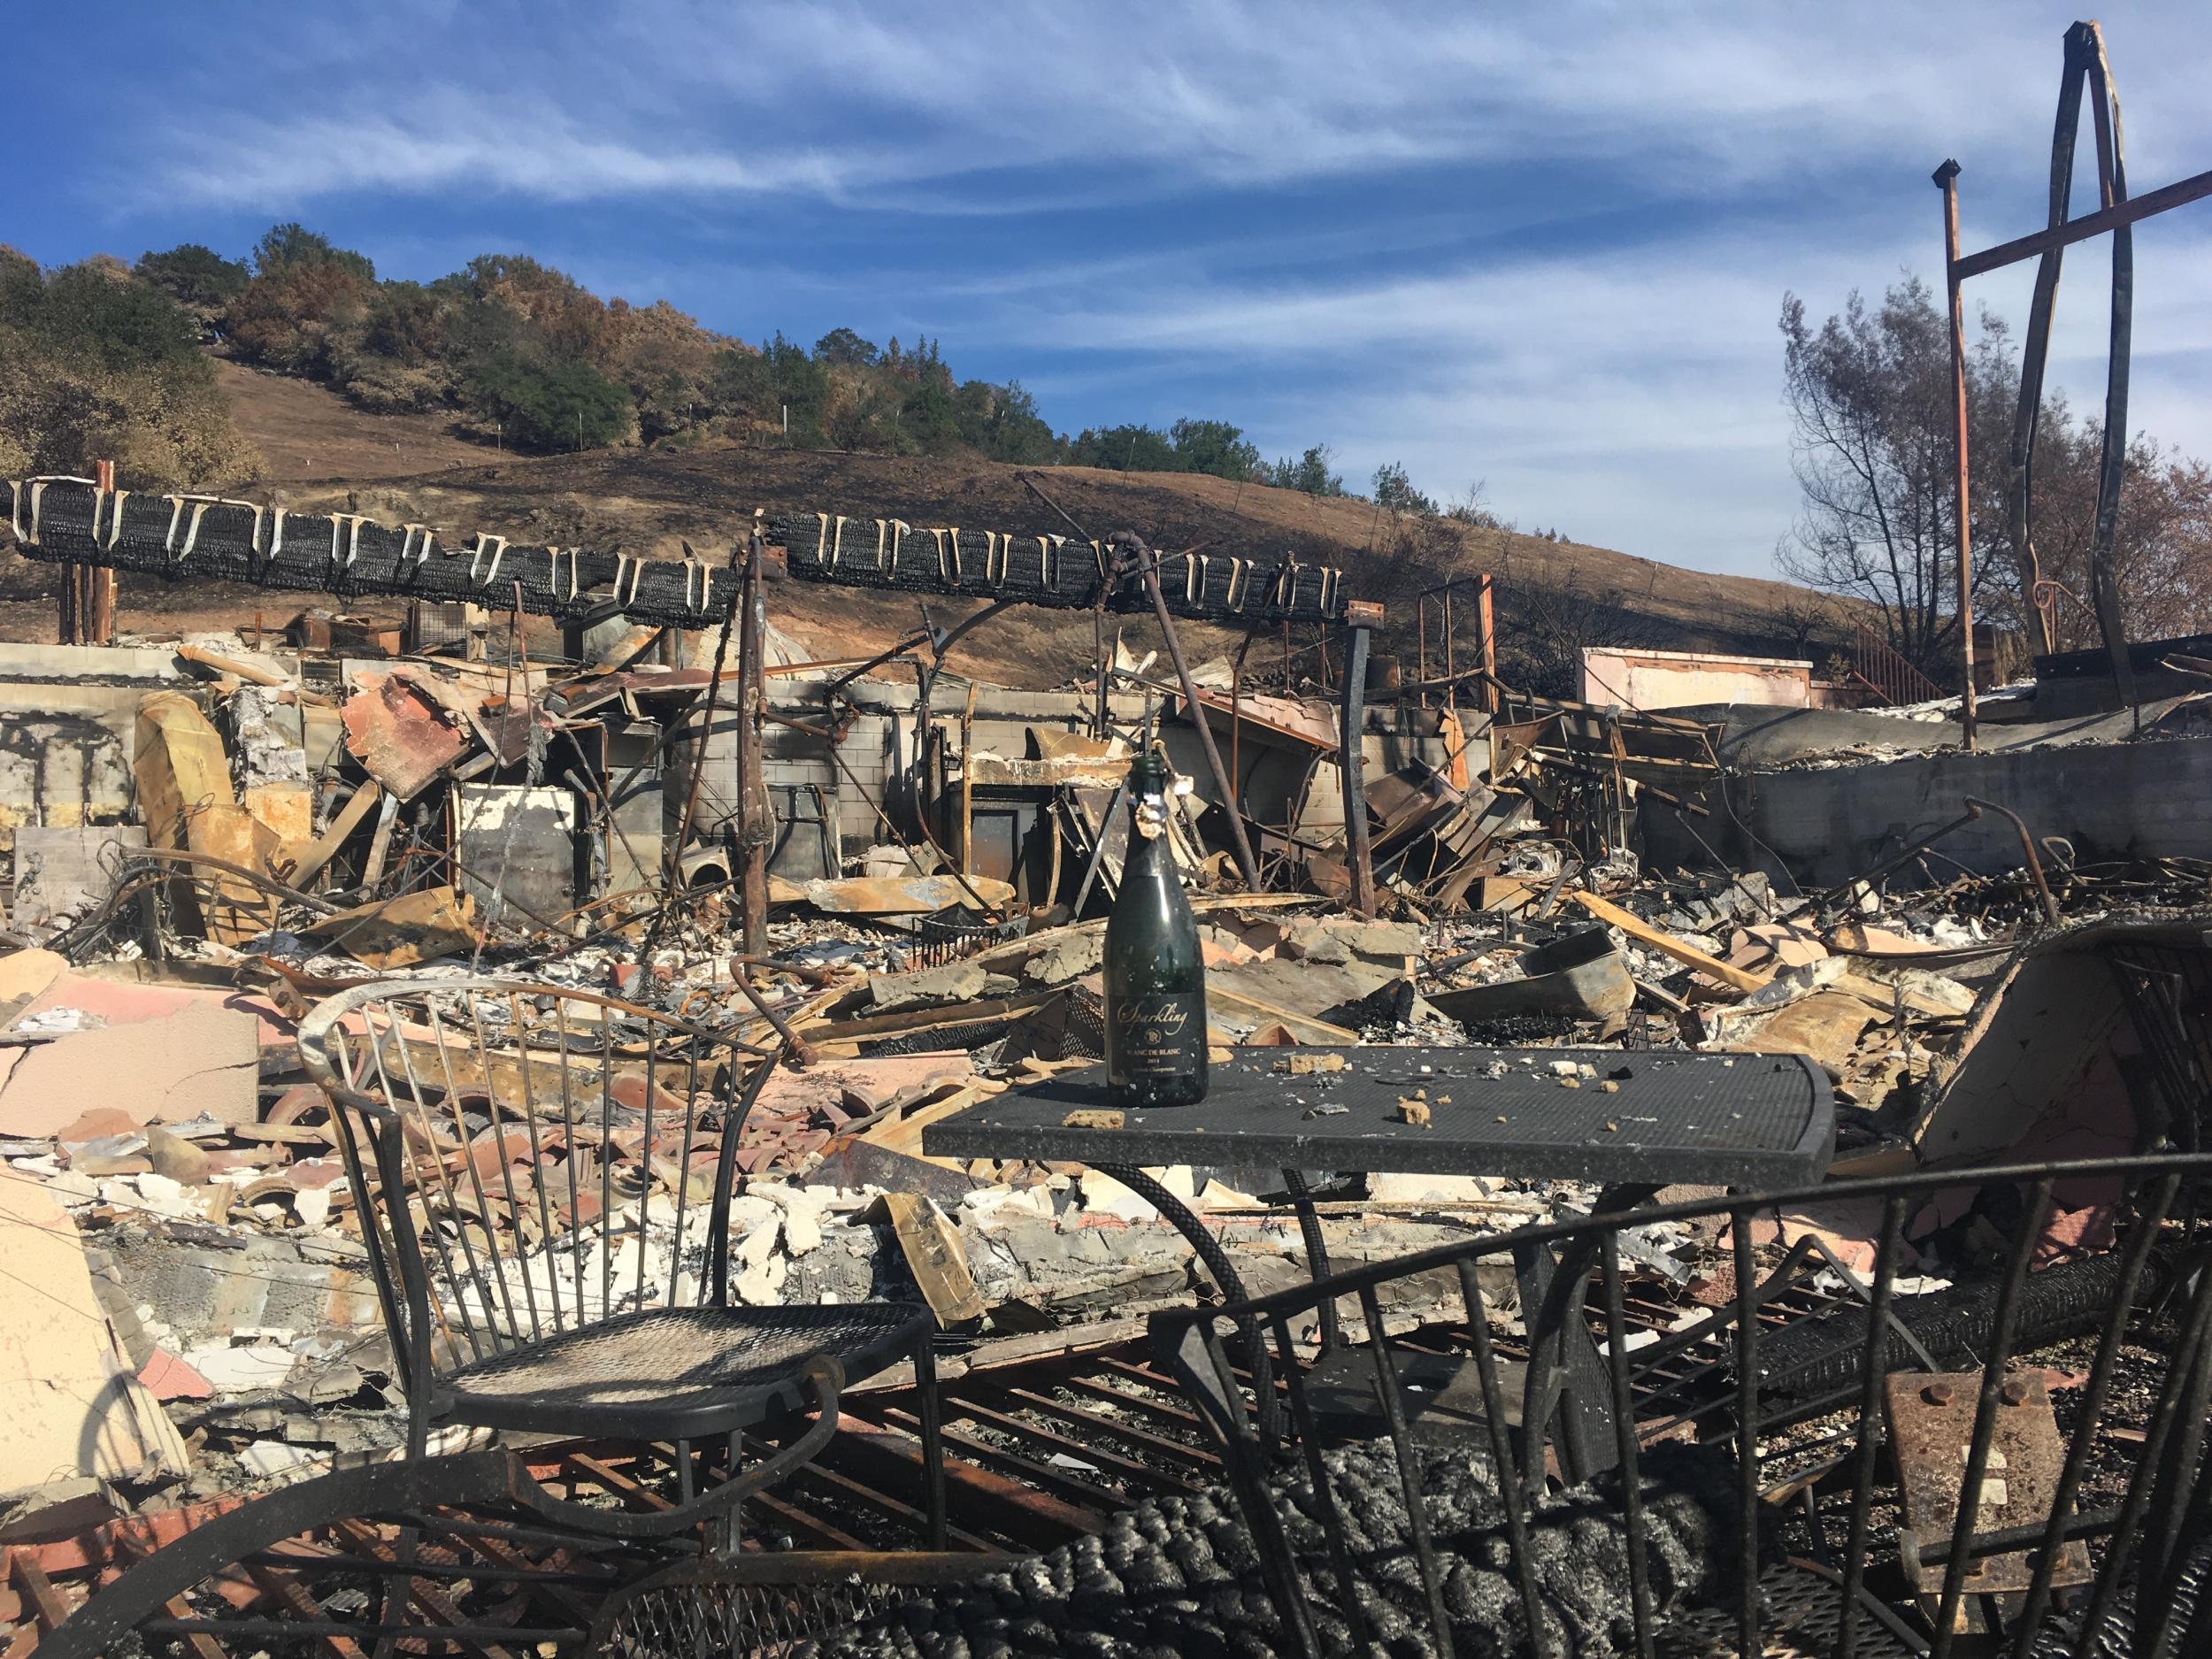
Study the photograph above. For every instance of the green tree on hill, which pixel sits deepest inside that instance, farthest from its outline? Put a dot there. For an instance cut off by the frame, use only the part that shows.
(97, 365)
(1128, 448)
(1310, 473)
(198, 277)
(553, 405)
(1395, 493)
(842, 345)
(293, 244)
(1214, 447)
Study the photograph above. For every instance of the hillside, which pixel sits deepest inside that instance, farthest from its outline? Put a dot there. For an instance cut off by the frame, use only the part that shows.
(320, 451)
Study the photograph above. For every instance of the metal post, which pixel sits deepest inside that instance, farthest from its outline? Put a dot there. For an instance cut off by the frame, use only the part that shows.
(674, 862)
(1946, 179)
(1148, 562)
(99, 609)
(1350, 765)
(1486, 615)
(756, 828)
(2112, 180)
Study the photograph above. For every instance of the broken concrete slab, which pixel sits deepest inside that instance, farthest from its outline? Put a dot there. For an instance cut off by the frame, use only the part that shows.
(917, 895)
(1826, 1024)
(201, 1061)
(1292, 991)
(25, 977)
(1340, 939)
(62, 871)
(75, 1408)
(399, 932)
(955, 982)
(1771, 947)
(1070, 957)
(1580, 976)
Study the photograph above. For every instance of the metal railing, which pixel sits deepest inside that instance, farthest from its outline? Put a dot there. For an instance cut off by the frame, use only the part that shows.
(1863, 1467)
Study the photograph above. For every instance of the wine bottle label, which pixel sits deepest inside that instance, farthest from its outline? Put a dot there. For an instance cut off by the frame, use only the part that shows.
(1159, 1036)
(1151, 817)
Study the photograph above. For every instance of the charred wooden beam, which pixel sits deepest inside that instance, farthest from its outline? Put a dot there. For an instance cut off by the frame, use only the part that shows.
(75, 522)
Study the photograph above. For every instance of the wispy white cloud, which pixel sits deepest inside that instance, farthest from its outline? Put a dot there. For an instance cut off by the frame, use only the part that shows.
(1592, 207)
(848, 100)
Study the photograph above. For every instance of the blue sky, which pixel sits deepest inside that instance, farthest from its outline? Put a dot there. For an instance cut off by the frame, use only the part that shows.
(1544, 247)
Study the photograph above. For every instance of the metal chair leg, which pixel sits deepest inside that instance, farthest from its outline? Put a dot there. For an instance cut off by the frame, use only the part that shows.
(933, 1440)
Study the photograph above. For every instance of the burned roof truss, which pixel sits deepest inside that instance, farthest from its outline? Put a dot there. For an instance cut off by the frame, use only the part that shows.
(201, 538)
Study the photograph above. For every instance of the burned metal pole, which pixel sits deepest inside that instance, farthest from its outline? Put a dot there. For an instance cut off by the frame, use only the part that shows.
(675, 860)
(756, 819)
(1148, 563)
(98, 611)
(1350, 757)
(2086, 66)
(2088, 40)
(1946, 179)
(1486, 619)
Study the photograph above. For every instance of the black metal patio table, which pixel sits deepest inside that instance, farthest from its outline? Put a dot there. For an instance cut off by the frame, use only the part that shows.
(1636, 1120)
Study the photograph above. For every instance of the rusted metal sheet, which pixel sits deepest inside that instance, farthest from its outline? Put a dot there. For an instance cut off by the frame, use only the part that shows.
(401, 736)
(1930, 1429)
(1284, 719)
(915, 895)
(399, 932)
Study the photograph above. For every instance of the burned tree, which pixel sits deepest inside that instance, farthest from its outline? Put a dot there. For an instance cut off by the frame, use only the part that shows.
(1870, 405)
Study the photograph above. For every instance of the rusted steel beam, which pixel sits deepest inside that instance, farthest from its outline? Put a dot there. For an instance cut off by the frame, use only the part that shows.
(634, 1492)
(2179, 194)
(883, 1503)
(1159, 1410)
(301, 1605)
(1946, 179)
(424, 1596)
(46, 1603)
(1095, 1423)
(202, 1645)
(1052, 1441)
(987, 1498)
(1148, 562)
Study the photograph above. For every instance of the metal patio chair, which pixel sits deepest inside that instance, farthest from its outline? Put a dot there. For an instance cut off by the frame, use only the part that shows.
(1825, 1461)
(544, 1178)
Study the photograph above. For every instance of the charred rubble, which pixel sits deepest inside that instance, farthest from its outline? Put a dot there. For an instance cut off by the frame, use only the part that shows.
(896, 875)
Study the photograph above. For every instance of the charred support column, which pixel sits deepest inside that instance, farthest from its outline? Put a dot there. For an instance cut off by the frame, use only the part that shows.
(1351, 753)
(99, 608)
(1149, 562)
(731, 620)
(756, 826)
(1485, 611)
(87, 601)
(1947, 178)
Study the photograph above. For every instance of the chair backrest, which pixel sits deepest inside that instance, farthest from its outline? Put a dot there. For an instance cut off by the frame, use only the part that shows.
(529, 1160)
(1867, 1470)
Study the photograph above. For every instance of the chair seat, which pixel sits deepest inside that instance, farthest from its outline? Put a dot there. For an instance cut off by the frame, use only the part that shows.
(668, 1373)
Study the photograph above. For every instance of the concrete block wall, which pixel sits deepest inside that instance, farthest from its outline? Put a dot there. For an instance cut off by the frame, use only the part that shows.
(1826, 826)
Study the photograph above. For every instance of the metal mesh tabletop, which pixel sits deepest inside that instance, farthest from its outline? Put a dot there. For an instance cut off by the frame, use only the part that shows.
(1764, 1120)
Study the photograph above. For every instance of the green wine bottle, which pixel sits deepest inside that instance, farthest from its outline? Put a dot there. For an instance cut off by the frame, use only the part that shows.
(1155, 978)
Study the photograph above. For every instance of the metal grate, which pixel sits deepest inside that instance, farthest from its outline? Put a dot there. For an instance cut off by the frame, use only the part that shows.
(1923, 1524)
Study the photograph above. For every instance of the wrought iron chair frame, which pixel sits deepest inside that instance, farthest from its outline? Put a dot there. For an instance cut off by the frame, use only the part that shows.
(414, 1314)
(2167, 1512)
